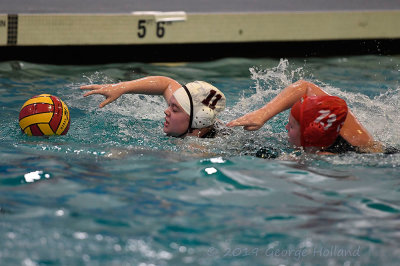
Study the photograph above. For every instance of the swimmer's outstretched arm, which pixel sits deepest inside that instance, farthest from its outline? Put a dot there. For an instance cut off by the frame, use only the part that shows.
(283, 101)
(352, 130)
(153, 85)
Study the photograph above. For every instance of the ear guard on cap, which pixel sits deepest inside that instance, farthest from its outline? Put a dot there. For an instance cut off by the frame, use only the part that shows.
(315, 135)
(203, 117)
(321, 118)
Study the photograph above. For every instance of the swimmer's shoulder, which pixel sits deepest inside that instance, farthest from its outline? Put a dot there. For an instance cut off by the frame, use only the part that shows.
(342, 146)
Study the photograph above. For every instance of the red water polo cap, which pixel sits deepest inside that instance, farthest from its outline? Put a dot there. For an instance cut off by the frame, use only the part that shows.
(320, 119)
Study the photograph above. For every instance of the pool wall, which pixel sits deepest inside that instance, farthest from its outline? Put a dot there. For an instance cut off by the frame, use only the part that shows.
(48, 31)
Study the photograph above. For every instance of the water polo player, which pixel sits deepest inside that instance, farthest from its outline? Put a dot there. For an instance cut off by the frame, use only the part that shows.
(192, 108)
(317, 121)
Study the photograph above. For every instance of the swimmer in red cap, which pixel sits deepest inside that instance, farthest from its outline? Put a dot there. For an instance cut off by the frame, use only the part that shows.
(318, 122)
(192, 108)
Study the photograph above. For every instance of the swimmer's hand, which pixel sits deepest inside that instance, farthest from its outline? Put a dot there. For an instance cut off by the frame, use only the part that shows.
(110, 91)
(251, 121)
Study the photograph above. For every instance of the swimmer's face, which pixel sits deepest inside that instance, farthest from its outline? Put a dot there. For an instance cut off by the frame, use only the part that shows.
(294, 134)
(176, 119)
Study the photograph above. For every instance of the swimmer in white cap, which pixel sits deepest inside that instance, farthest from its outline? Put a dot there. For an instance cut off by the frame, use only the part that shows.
(192, 108)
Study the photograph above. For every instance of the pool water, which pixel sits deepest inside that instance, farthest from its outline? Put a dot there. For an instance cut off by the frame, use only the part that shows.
(116, 191)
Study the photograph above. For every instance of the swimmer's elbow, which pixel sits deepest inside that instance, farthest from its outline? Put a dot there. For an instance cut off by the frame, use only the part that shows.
(304, 87)
(303, 83)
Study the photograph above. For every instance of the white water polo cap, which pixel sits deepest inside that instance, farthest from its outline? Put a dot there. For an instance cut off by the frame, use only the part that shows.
(201, 101)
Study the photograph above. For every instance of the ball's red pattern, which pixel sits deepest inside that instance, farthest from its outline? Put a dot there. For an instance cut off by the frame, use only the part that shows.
(44, 114)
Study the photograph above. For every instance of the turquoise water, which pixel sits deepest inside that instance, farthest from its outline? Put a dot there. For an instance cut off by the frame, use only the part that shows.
(116, 191)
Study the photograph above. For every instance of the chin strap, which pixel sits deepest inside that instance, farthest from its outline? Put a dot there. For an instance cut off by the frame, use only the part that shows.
(190, 129)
